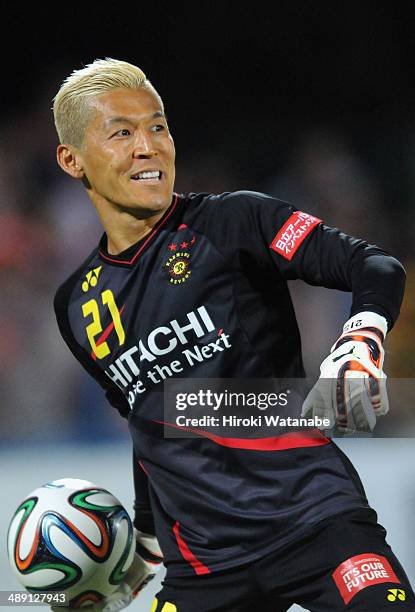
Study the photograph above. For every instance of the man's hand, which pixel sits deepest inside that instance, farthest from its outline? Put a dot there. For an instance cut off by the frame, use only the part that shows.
(351, 390)
(147, 562)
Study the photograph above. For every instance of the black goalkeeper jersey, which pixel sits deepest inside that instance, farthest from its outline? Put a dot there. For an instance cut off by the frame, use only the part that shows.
(205, 295)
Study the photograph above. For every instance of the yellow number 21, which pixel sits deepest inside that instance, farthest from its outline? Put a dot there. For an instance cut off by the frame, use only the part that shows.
(101, 349)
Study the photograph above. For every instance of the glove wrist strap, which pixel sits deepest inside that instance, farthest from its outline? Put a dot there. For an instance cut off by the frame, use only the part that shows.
(364, 320)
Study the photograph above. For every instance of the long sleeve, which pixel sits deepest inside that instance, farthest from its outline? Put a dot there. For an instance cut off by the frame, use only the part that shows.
(335, 260)
(143, 516)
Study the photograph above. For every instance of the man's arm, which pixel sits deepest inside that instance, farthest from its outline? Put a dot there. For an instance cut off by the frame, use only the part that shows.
(278, 240)
(143, 516)
(333, 259)
(351, 390)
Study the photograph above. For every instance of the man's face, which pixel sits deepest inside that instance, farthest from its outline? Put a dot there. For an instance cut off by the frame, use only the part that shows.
(128, 135)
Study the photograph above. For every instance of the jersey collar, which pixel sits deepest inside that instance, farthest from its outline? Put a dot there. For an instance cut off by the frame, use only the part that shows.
(130, 255)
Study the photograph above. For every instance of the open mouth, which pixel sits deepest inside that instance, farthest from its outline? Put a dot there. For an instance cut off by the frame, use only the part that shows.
(149, 175)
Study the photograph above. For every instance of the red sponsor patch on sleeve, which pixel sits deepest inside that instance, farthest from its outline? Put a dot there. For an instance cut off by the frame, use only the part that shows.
(360, 572)
(292, 233)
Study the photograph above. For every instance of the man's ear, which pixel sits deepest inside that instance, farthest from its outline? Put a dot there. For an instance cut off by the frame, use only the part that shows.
(69, 160)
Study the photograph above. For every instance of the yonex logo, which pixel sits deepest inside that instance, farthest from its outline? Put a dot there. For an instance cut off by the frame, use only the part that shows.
(91, 279)
(395, 594)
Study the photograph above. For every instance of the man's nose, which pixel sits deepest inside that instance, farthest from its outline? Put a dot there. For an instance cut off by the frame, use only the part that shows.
(143, 145)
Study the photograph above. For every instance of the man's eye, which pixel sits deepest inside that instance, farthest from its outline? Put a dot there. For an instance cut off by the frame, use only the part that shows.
(157, 128)
(123, 132)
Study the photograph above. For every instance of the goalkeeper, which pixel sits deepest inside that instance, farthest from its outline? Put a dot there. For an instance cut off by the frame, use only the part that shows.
(195, 286)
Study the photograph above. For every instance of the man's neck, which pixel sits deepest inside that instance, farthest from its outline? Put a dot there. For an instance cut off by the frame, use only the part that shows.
(123, 228)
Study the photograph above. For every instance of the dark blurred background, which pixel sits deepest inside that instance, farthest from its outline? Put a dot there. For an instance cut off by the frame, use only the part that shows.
(313, 103)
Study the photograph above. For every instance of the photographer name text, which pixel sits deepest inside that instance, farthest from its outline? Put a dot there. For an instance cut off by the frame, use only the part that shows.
(251, 421)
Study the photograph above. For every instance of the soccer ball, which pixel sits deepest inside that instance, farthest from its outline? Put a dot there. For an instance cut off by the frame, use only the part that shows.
(71, 536)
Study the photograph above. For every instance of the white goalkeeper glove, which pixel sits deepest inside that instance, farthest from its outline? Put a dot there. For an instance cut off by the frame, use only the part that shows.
(351, 390)
(147, 561)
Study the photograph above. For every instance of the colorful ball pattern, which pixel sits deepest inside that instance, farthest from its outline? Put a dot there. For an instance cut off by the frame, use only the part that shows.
(71, 536)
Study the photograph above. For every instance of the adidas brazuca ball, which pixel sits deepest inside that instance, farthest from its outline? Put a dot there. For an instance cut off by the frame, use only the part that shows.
(71, 536)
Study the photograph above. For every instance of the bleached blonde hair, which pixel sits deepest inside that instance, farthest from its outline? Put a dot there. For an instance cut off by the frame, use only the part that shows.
(72, 108)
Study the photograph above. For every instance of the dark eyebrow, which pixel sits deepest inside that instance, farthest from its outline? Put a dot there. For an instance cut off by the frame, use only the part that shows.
(122, 119)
